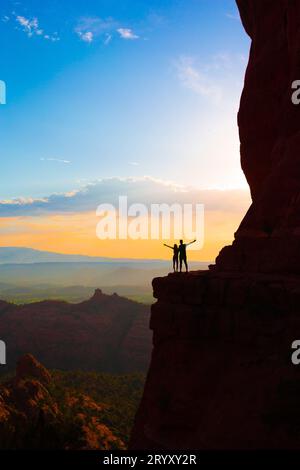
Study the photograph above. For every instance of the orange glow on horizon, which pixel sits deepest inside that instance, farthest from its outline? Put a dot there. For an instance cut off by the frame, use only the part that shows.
(76, 234)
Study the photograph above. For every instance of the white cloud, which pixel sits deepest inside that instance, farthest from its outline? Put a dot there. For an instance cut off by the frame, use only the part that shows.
(31, 28)
(133, 163)
(88, 36)
(127, 33)
(5, 19)
(91, 27)
(144, 190)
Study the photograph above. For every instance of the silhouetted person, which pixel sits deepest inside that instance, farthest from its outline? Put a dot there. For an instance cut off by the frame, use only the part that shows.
(182, 254)
(175, 256)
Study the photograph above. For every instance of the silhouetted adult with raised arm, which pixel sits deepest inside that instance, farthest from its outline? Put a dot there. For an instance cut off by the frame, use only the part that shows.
(182, 254)
(175, 256)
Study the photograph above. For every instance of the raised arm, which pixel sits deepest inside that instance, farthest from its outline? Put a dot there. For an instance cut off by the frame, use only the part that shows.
(191, 243)
(168, 246)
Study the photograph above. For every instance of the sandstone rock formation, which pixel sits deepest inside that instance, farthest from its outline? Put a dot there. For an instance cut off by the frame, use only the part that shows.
(106, 333)
(28, 366)
(221, 375)
(269, 123)
(36, 414)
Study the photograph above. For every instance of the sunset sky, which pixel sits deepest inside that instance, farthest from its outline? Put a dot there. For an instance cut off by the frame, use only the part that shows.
(113, 97)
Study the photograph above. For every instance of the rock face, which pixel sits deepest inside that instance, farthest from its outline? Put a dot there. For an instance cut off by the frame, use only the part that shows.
(28, 366)
(36, 414)
(221, 375)
(268, 237)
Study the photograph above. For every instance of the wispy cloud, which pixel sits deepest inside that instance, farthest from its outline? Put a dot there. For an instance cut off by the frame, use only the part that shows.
(91, 27)
(218, 80)
(55, 160)
(31, 27)
(233, 16)
(88, 28)
(133, 163)
(197, 80)
(108, 38)
(127, 33)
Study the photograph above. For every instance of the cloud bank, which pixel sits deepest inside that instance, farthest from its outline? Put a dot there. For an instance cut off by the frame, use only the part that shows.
(144, 190)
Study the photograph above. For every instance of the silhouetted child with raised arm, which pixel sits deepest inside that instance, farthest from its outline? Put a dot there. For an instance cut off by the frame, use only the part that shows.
(175, 256)
(182, 254)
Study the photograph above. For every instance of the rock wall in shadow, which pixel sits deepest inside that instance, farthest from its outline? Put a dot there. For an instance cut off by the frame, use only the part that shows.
(221, 375)
(269, 124)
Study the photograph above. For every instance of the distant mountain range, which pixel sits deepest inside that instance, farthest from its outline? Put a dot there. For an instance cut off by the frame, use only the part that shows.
(20, 255)
(23, 255)
(28, 267)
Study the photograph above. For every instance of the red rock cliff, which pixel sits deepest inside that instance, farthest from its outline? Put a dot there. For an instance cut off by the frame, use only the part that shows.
(221, 375)
(268, 237)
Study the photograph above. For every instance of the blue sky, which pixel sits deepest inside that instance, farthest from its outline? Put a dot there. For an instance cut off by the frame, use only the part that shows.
(119, 88)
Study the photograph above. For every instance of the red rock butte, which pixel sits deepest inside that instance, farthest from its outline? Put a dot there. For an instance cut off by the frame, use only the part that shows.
(221, 375)
(269, 124)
